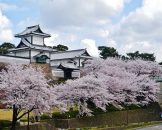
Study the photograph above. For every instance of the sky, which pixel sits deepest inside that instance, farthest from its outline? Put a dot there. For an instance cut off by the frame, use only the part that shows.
(127, 25)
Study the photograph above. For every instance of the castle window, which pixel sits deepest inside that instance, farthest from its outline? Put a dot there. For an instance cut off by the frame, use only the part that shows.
(42, 59)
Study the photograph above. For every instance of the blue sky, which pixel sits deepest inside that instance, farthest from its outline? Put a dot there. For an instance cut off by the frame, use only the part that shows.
(127, 25)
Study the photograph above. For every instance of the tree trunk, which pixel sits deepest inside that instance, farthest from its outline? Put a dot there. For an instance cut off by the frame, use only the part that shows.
(14, 118)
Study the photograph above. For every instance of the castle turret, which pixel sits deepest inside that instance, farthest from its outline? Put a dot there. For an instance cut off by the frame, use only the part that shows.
(33, 35)
(32, 44)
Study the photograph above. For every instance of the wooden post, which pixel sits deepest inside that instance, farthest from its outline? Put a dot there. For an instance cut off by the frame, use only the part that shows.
(127, 115)
(79, 62)
(28, 121)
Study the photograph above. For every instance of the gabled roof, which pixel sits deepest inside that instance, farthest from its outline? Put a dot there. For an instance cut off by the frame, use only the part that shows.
(27, 44)
(32, 30)
(21, 44)
(41, 54)
(67, 67)
(70, 54)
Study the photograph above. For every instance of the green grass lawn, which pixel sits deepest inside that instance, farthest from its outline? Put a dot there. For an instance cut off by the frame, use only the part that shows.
(6, 114)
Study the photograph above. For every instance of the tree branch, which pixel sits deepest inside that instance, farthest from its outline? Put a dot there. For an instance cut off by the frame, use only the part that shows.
(25, 113)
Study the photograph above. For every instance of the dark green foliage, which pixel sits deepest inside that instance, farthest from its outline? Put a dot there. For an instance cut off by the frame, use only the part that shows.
(61, 80)
(60, 47)
(66, 115)
(109, 109)
(123, 57)
(24, 120)
(112, 52)
(143, 56)
(6, 123)
(42, 59)
(45, 116)
(97, 111)
(160, 63)
(5, 46)
(107, 52)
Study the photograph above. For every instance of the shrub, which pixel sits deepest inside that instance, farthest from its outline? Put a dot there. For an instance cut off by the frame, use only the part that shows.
(4, 123)
(44, 117)
(23, 120)
(66, 115)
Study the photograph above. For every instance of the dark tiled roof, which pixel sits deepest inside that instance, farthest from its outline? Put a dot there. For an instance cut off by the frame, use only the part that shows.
(27, 44)
(70, 54)
(34, 30)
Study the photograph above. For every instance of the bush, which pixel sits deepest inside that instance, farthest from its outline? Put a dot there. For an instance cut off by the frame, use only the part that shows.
(44, 117)
(96, 111)
(23, 120)
(4, 123)
(66, 115)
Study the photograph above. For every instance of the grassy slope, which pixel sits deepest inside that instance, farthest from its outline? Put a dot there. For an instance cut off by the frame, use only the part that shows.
(6, 114)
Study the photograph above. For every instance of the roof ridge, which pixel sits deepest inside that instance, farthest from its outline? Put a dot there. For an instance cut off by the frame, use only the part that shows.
(33, 26)
(34, 30)
(69, 51)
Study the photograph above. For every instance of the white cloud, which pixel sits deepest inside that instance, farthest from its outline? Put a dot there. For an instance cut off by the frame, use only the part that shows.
(91, 47)
(73, 20)
(5, 30)
(111, 43)
(76, 13)
(140, 29)
(70, 21)
(52, 41)
(61, 38)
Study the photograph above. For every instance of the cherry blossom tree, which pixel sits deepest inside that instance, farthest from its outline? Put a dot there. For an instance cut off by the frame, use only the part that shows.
(111, 82)
(26, 89)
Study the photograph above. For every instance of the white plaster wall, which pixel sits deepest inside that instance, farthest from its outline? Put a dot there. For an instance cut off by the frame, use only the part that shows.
(76, 74)
(33, 53)
(10, 54)
(37, 40)
(58, 73)
(47, 54)
(77, 61)
(7, 59)
(24, 53)
(64, 61)
(58, 62)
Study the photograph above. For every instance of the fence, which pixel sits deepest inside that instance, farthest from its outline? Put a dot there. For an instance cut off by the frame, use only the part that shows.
(111, 119)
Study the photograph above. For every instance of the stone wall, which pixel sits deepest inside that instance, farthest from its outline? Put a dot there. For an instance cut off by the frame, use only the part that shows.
(45, 68)
(39, 126)
(160, 95)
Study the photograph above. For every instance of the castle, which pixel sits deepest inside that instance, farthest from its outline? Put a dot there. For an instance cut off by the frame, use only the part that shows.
(32, 49)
